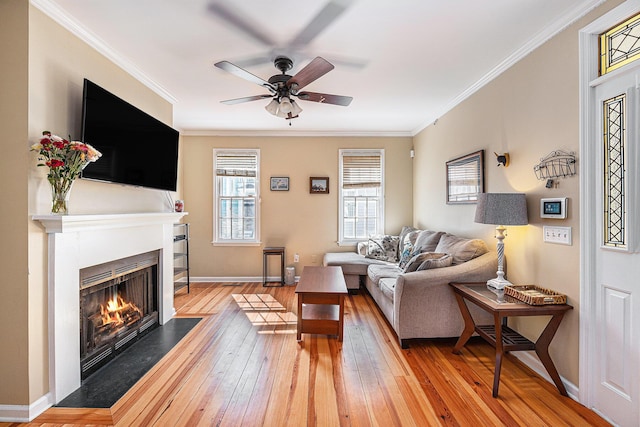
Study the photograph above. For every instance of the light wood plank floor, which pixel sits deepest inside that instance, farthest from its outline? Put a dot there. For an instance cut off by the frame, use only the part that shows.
(241, 365)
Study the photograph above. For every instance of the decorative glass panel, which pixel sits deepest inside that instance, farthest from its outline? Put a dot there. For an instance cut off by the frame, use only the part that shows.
(620, 45)
(614, 173)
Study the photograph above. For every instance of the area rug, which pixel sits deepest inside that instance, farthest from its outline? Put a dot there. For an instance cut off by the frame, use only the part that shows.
(112, 381)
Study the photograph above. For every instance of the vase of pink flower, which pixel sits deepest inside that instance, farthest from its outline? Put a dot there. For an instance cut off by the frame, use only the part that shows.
(65, 160)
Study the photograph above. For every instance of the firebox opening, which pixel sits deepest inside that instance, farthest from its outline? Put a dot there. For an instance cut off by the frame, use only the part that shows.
(118, 305)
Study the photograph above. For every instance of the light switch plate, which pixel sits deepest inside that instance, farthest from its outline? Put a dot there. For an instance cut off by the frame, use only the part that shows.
(561, 235)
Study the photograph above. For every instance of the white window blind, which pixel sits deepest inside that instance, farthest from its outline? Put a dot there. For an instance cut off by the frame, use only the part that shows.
(361, 171)
(236, 164)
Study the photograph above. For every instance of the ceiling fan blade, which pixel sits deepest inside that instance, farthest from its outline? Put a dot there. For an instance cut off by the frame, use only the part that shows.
(234, 18)
(325, 98)
(245, 99)
(243, 74)
(313, 71)
(322, 20)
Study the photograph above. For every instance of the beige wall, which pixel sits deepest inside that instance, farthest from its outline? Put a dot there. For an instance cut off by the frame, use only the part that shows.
(528, 111)
(41, 86)
(302, 222)
(14, 30)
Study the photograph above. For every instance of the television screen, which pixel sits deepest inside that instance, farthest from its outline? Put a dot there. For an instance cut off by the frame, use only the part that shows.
(136, 148)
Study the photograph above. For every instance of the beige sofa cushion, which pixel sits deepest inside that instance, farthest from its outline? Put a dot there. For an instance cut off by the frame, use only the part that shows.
(460, 248)
(377, 272)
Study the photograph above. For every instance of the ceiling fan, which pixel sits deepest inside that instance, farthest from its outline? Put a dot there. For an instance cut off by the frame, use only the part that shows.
(295, 47)
(283, 87)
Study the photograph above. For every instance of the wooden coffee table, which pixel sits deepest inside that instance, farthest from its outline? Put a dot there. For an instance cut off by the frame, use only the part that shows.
(321, 292)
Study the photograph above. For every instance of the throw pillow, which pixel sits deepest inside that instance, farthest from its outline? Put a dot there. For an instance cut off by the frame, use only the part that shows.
(383, 247)
(460, 248)
(401, 237)
(441, 262)
(408, 251)
(427, 241)
(423, 259)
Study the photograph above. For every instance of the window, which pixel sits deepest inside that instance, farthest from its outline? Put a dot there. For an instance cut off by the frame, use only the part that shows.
(620, 45)
(614, 166)
(236, 195)
(361, 207)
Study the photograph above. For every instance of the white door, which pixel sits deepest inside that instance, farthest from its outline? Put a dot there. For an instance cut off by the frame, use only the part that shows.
(616, 377)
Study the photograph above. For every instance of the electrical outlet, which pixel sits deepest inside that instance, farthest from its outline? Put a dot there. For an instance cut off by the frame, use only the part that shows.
(314, 259)
(561, 235)
(296, 258)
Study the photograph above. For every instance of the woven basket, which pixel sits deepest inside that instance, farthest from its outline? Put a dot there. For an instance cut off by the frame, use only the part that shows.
(535, 295)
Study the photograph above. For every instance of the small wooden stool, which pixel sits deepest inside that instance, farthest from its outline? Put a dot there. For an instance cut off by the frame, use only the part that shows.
(272, 251)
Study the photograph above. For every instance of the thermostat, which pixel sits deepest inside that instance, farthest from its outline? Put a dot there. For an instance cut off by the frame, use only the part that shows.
(553, 208)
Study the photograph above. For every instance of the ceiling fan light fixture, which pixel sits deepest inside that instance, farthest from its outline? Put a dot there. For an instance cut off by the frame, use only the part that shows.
(272, 107)
(285, 105)
(295, 108)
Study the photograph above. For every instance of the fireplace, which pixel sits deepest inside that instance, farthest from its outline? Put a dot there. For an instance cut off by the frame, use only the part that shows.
(118, 305)
(78, 242)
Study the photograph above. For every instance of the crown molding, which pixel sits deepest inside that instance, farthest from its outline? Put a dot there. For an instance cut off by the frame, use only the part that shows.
(58, 14)
(538, 40)
(297, 133)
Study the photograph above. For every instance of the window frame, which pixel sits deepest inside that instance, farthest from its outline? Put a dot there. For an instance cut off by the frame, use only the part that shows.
(342, 241)
(217, 180)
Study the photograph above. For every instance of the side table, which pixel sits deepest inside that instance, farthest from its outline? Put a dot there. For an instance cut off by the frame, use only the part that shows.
(272, 250)
(502, 337)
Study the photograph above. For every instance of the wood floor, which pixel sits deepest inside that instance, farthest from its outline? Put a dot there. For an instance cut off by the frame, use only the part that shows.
(242, 366)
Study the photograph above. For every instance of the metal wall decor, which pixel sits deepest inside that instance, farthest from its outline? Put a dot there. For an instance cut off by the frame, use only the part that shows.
(557, 164)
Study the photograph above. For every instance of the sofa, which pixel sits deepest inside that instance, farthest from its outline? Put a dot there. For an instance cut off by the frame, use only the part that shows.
(408, 276)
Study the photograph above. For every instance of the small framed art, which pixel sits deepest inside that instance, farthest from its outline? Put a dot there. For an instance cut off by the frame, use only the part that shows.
(319, 185)
(465, 178)
(279, 183)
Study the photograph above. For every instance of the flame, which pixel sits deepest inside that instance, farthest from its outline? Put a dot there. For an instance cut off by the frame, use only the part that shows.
(114, 307)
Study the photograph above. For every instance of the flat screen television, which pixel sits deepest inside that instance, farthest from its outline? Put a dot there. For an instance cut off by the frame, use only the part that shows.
(136, 148)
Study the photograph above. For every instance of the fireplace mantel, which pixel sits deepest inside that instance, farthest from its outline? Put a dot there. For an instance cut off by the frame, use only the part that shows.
(79, 241)
(74, 223)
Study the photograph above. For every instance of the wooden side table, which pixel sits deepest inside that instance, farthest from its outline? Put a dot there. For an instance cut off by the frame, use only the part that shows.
(272, 250)
(502, 337)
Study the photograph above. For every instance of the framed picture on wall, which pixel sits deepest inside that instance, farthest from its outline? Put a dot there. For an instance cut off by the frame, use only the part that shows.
(465, 178)
(319, 185)
(279, 183)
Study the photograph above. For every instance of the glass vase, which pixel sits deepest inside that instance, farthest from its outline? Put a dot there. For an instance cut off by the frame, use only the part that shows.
(60, 198)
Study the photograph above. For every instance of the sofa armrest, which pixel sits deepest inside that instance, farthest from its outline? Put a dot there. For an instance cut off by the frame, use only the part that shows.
(416, 291)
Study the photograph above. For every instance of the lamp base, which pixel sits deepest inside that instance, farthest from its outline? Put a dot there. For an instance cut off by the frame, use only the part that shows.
(498, 283)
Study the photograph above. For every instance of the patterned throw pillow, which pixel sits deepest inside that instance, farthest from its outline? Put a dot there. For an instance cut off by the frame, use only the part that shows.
(383, 247)
(428, 260)
(408, 247)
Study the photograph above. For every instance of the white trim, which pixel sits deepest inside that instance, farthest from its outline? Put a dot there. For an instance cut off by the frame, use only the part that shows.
(59, 15)
(543, 36)
(296, 133)
(239, 279)
(588, 57)
(25, 413)
(256, 240)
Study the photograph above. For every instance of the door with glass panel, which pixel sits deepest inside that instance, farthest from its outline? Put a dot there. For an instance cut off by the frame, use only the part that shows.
(616, 376)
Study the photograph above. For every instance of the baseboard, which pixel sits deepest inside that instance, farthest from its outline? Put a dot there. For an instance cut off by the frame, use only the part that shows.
(247, 279)
(534, 363)
(25, 413)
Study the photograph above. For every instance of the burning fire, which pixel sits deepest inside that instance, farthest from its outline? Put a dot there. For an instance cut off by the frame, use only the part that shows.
(117, 311)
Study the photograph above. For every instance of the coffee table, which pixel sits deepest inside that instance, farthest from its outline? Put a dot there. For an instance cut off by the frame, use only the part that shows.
(321, 292)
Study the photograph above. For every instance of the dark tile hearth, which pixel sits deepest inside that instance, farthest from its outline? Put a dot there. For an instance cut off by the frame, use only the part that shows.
(111, 382)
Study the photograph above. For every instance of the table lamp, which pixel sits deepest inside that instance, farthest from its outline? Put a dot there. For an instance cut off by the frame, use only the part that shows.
(501, 209)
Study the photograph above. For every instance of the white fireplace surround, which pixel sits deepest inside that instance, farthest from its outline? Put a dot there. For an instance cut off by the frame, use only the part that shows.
(80, 241)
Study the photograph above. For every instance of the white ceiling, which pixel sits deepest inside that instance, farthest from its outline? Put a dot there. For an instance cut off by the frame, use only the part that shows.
(405, 62)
